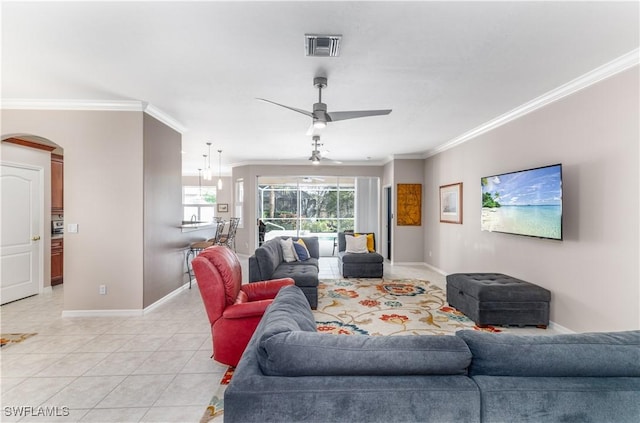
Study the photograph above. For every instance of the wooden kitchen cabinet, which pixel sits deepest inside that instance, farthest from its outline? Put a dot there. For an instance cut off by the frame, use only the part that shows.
(57, 260)
(57, 184)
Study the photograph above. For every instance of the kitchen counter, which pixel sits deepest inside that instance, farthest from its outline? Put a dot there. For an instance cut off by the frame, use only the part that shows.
(196, 226)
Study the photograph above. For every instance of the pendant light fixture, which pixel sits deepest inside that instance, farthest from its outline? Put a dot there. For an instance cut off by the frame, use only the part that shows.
(219, 169)
(207, 166)
(204, 168)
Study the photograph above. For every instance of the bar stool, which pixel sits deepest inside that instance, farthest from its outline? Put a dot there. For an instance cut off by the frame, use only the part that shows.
(194, 250)
(220, 222)
(229, 239)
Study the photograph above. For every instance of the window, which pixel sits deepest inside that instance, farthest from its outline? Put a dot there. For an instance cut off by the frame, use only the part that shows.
(291, 206)
(240, 201)
(199, 202)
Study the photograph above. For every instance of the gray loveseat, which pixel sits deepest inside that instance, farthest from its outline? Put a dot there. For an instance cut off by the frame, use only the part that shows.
(268, 263)
(289, 372)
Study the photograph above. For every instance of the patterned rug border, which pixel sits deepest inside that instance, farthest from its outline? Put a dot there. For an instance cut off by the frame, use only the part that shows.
(8, 339)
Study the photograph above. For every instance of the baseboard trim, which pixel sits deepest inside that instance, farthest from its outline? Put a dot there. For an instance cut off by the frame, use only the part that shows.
(125, 312)
(166, 298)
(102, 313)
(419, 263)
(560, 328)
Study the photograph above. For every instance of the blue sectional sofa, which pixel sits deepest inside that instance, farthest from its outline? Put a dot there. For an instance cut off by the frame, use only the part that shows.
(290, 372)
(268, 263)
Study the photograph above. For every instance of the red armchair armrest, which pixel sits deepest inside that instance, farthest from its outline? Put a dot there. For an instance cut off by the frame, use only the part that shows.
(265, 289)
(244, 310)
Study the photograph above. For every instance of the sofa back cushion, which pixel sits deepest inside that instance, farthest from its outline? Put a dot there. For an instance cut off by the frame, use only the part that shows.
(289, 311)
(304, 353)
(371, 240)
(612, 354)
(312, 243)
(268, 257)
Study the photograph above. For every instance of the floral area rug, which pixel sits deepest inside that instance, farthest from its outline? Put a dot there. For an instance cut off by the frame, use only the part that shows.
(382, 307)
(7, 339)
(215, 408)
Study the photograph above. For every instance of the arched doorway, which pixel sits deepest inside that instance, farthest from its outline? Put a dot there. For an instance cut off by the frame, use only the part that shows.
(28, 259)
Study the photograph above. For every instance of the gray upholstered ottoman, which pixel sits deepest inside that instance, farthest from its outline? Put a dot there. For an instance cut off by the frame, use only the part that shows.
(497, 299)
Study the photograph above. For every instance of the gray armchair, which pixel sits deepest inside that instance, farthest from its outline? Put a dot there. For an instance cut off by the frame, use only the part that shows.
(359, 265)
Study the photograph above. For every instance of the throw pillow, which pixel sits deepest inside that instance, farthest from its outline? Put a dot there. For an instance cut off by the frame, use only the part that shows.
(288, 253)
(301, 250)
(369, 242)
(356, 244)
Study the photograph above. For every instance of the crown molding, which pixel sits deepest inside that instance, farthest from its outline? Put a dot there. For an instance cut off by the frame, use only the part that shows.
(165, 118)
(44, 104)
(94, 105)
(605, 71)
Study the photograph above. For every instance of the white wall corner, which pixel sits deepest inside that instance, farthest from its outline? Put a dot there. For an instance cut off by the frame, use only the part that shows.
(605, 71)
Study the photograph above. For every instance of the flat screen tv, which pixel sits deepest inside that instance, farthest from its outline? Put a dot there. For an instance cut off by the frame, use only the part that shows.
(527, 202)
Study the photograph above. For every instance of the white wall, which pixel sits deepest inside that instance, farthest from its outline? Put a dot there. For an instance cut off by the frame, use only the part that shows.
(103, 194)
(593, 274)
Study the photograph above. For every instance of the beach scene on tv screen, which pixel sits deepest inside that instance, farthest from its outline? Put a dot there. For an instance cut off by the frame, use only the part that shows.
(528, 202)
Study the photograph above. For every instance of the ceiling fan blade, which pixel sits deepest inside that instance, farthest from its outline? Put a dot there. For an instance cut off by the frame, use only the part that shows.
(335, 116)
(304, 112)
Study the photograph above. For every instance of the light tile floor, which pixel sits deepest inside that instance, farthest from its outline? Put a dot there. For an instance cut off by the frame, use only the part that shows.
(152, 368)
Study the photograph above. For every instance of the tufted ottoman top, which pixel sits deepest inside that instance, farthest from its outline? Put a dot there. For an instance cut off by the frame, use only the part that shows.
(497, 287)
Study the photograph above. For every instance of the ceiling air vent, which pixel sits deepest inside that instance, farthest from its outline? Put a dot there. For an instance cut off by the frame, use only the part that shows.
(322, 45)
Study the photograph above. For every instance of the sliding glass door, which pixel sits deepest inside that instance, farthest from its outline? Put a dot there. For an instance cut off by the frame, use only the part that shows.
(307, 206)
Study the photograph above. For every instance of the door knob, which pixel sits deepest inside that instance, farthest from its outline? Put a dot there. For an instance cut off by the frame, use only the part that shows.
(36, 238)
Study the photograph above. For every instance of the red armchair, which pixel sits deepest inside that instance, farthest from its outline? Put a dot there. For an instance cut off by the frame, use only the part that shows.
(234, 310)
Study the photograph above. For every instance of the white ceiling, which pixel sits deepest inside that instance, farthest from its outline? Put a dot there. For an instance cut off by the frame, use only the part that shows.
(443, 67)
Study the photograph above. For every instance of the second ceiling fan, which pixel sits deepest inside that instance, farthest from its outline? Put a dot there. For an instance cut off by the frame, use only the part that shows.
(321, 116)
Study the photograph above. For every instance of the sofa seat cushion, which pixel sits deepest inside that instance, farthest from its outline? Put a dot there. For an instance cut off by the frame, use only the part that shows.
(299, 353)
(360, 257)
(611, 354)
(554, 399)
(305, 275)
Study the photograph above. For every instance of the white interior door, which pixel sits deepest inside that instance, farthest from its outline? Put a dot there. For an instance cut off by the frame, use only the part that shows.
(21, 232)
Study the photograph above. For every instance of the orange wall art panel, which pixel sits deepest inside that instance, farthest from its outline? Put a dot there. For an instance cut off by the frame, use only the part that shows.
(409, 204)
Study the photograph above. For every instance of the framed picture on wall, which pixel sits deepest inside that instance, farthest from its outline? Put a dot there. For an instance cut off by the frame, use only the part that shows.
(223, 208)
(451, 203)
(409, 204)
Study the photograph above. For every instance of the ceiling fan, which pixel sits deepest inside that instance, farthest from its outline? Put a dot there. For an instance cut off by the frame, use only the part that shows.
(316, 155)
(320, 115)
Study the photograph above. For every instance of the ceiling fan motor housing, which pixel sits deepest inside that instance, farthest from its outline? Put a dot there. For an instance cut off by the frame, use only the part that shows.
(320, 82)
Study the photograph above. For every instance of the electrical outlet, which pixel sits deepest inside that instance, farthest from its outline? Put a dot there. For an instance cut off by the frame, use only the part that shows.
(103, 290)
